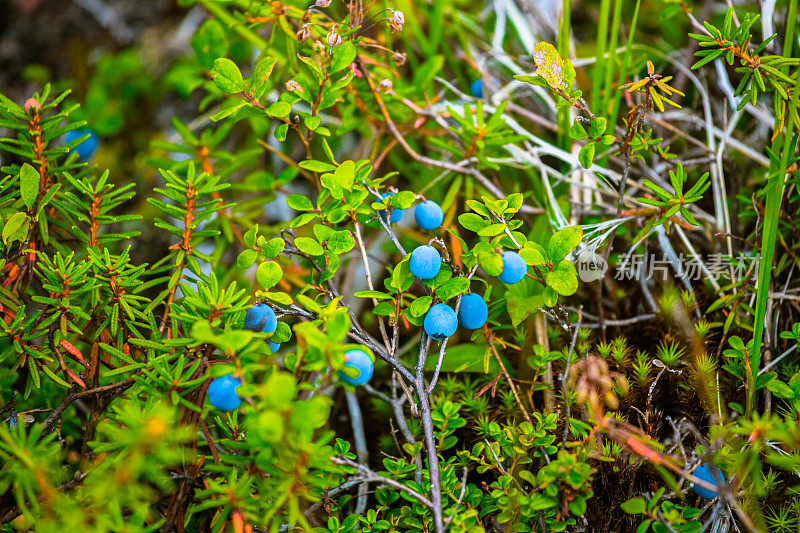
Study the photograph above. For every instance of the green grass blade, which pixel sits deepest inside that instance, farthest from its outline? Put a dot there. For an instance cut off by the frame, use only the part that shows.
(563, 49)
(623, 71)
(600, 54)
(769, 236)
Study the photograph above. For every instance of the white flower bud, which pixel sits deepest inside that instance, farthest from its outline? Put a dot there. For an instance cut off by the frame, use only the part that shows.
(294, 87)
(397, 20)
(333, 38)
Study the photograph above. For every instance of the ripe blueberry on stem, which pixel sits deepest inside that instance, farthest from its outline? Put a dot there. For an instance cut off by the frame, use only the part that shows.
(440, 322)
(425, 262)
(222, 393)
(428, 215)
(473, 312)
(397, 214)
(711, 474)
(476, 88)
(514, 268)
(261, 319)
(362, 362)
(87, 148)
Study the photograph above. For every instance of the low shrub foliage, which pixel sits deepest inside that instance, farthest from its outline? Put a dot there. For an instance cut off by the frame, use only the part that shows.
(394, 268)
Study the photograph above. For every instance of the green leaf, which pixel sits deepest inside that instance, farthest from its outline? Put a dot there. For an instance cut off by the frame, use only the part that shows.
(299, 202)
(279, 109)
(402, 279)
(258, 80)
(532, 254)
(563, 279)
(316, 166)
(402, 199)
(281, 131)
(492, 230)
(15, 226)
(472, 222)
(341, 242)
(29, 184)
(633, 506)
(280, 298)
(598, 127)
(586, 155)
(209, 43)
(420, 306)
(341, 179)
(563, 242)
(577, 132)
(274, 247)
(246, 258)
(226, 112)
(492, 263)
(226, 76)
(780, 389)
(312, 122)
(269, 273)
(372, 294)
(342, 56)
(520, 306)
(452, 287)
(308, 246)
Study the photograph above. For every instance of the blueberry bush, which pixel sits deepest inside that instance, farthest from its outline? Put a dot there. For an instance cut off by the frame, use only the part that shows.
(411, 266)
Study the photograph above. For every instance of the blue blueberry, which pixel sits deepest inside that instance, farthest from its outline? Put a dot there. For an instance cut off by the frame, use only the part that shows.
(222, 393)
(425, 262)
(274, 346)
(440, 322)
(514, 268)
(261, 319)
(397, 214)
(362, 362)
(472, 313)
(476, 88)
(428, 215)
(711, 474)
(87, 148)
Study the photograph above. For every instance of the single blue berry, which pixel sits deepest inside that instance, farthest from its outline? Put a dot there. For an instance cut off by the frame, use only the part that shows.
(425, 262)
(397, 214)
(87, 148)
(440, 322)
(362, 362)
(222, 393)
(710, 474)
(514, 268)
(274, 346)
(261, 319)
(476, 88)
(428, 215)
(472, 312)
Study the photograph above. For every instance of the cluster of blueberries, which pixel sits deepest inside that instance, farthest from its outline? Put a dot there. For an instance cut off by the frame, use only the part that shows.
(261, 318)
(441, 321)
